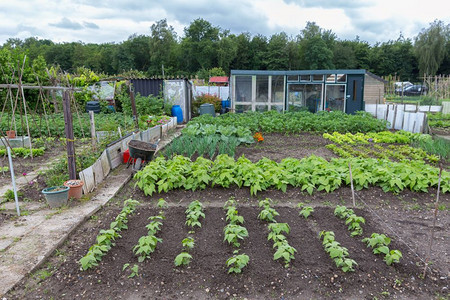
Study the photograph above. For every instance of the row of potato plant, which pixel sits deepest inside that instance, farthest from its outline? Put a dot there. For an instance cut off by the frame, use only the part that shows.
(106, 238)
(147, 244)
(295, 122)
(193, 213)
(379, 244)
(234, 232)
(338, 253)
(309, 174)
(351, 219)
(283, 249)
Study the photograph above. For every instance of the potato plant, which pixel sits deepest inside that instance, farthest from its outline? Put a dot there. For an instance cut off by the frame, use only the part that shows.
(193, 213)
(379, 244)
(305, 211)
(283, 249)
(233, 233)
(147, 244)
(237, 262)
(268, 213)
(308, 174)
(106, 238)
(353, 221)
(338, 253)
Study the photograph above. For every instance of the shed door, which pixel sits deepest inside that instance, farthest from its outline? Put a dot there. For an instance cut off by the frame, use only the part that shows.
(354, 94)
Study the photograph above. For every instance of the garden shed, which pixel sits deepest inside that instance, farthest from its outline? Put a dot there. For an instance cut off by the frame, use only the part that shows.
(312, 90)
(176, 91)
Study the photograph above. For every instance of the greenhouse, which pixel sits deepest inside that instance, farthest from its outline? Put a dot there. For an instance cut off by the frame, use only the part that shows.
(312, 90)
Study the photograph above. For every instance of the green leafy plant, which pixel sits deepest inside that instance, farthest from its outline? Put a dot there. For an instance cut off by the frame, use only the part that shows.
(354, 224)
(106, 238)
(379, 244)
(134, 270)
(183, 259)
(147, 244)
(193, 213)
(305, 210)
(237, 262)
(234, 233)
(338, 253)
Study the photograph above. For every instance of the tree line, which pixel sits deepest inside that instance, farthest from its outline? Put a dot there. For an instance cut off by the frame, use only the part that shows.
(206, 50)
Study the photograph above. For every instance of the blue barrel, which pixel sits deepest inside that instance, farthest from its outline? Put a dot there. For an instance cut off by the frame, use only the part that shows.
(207, 108)
(94, 106)
(226, 103)
(177, 112)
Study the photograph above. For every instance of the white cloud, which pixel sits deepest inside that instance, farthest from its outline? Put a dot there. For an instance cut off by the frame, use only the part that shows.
(115, 20)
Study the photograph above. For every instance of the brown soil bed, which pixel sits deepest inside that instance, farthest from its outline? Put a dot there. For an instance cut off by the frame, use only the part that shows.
(311, 275)
(277, 146)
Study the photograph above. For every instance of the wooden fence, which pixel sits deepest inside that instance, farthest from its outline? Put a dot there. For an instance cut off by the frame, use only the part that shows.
(406, 117)
(112, 156)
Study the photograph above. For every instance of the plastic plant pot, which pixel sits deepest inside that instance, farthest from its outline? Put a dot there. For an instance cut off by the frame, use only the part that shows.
(76, 188)
(56, 196)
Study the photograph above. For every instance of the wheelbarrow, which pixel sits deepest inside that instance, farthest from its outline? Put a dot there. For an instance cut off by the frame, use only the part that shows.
(140, 153)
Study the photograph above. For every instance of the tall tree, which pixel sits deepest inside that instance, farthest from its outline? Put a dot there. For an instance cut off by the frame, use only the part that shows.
(430, 46)
(199, 45)
(163, 44)
(277, 55)
(316, 47)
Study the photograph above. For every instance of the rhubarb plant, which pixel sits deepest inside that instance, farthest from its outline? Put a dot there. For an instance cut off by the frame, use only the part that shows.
(106, 238)
(338, 253)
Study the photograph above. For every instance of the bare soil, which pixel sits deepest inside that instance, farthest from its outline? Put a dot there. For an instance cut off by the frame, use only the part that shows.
(277, 146)
(407, 218)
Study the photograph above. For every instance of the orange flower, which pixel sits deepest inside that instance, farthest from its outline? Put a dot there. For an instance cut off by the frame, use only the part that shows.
(258, 136)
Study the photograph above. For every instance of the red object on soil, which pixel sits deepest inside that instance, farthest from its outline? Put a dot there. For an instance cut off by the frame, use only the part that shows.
(126, 156)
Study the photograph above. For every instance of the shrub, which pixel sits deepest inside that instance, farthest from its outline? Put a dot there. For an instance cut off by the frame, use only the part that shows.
(206, 98)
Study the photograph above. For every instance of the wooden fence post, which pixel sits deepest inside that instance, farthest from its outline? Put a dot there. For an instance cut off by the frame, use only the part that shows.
(93, 137)
(68, 122)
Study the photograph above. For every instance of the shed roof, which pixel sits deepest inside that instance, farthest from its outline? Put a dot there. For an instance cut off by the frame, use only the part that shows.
(218, 79)
(297, 72)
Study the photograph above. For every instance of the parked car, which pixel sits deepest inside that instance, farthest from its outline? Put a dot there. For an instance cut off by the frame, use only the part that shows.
(413, 90)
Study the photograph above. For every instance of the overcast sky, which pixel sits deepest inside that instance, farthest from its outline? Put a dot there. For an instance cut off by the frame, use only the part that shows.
(103, 21)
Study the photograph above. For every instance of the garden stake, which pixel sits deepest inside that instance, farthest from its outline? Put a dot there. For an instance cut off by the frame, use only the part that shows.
(351, 184)
(92, 121)
(13, 179)
(434, 223)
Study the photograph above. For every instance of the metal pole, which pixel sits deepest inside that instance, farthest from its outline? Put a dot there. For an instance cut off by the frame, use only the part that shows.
(13, 179)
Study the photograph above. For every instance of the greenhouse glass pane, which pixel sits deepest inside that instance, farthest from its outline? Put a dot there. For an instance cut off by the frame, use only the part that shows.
(262, 88)
(277, 89)
(243, 88)
(335, 95)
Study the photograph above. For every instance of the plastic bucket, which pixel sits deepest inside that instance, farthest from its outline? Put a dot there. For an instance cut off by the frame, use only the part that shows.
(56, 196)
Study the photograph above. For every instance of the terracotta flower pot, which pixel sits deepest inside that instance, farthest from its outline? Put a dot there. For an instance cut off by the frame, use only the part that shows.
(10, 134)
(76, 188)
